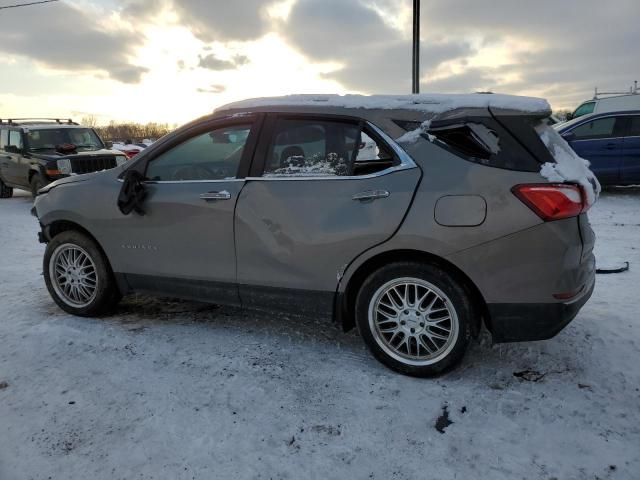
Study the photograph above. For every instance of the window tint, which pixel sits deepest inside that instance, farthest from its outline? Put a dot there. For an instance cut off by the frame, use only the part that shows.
(318, 148)
(213, 155)
(584, 109)
(634, 129)
(15, 138)
(600, 128)
(4, 137)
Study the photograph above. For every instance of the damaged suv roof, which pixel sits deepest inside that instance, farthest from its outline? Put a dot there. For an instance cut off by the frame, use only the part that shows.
(425, 103)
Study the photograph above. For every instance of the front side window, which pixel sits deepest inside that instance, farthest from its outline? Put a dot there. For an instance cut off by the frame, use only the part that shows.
(584, 109)
(308, 148)
(4, 137)
(600, 128)
(84, 139)
(214, 155)
(15, 138)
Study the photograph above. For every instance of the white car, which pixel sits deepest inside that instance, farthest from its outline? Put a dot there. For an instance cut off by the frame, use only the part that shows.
(618, 103)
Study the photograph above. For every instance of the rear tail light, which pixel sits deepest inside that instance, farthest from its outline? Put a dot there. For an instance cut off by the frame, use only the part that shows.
(553, 201)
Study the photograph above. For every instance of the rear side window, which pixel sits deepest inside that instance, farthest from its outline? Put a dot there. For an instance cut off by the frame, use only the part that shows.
(634, 128)
(4, 137)
(15, 138)
(315, 147)
(600, 128)
(471, 139)
(497, 140)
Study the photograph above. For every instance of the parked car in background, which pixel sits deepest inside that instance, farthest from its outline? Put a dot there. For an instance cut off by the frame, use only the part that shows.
(129, 148)
(308, 205)
(610, 141)
(609, 102)
(35, 152)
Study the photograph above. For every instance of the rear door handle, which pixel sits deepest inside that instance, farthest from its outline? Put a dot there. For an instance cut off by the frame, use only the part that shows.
(611, 146)
(370, 195)
(210, 196)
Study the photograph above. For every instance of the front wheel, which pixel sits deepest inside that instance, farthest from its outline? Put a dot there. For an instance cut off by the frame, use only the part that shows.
(78, 275)
(36, 184)
(415, 318)
(5, 191)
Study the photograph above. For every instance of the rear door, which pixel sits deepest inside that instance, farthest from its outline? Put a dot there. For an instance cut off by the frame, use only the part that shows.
(600, 141)
(630, 170)
(11, 161)
(318, 196)
(4, 156)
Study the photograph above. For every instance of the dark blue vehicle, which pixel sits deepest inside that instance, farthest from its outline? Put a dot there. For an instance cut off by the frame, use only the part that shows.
(610, 141)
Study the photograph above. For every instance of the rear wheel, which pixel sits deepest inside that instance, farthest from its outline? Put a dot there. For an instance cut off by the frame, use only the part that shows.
(5, 191)
(415, 318)
(78, 275)
(36, 184)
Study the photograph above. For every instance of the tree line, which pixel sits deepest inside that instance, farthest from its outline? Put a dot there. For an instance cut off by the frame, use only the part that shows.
(136, 132)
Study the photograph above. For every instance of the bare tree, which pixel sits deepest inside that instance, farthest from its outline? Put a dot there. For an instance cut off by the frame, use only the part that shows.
(89, 121)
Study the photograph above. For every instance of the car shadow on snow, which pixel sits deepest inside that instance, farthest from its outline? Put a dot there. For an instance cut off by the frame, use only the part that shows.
(504, 364)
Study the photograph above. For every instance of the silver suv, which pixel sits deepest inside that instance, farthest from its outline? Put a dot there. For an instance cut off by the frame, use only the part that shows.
(416, 219)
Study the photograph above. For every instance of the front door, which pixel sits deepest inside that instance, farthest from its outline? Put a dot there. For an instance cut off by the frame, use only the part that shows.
(184, 244)
(600, 141)
(323, 190)
(630, 170)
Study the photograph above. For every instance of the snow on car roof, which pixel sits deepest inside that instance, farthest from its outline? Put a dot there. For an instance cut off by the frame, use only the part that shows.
(428, 102)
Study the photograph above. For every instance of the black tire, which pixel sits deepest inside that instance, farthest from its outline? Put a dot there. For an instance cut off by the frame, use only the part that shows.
(5, 191)
(454, 302)
(36, 184)
(106, 293)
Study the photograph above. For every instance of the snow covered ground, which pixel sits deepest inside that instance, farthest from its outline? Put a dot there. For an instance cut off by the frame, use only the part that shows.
(179, 390)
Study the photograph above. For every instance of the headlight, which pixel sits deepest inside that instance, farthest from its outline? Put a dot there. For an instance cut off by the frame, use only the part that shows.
(64, 166)
(120, 159)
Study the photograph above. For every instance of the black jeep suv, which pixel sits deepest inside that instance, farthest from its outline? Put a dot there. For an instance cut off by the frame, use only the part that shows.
(35, 152)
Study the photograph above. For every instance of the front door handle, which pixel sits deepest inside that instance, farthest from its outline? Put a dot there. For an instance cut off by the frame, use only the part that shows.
(370, 195)
(610, 146)
(221, 195)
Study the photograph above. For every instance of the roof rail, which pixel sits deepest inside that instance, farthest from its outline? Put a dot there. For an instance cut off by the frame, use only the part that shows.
(19, 121)
(632, 91)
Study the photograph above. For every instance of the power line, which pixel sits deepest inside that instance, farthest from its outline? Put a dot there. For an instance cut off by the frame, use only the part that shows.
(27, 4)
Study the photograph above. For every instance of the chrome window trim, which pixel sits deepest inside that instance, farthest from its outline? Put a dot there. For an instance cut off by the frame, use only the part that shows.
(598, 139)
(151, 182)
(406, 163)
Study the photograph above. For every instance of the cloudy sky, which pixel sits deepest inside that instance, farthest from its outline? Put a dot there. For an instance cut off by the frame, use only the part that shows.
(173, 60)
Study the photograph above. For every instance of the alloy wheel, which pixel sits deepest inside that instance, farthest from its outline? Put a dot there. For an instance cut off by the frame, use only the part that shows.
(73, 275)
(413, 321)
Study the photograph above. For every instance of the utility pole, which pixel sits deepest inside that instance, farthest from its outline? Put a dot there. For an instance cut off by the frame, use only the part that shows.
(416, 48)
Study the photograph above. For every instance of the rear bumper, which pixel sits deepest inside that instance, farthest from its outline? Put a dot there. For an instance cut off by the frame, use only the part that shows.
(523, 322)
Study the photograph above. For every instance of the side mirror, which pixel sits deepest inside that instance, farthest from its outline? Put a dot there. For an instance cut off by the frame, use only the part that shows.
(569, 137)
(108, 145)
(12, 149)
(569, 116)
(132, 193)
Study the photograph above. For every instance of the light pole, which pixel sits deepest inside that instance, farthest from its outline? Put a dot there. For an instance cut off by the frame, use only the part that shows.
(416, 48)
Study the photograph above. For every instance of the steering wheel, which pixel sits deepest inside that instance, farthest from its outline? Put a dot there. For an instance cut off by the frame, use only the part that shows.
(193, 172)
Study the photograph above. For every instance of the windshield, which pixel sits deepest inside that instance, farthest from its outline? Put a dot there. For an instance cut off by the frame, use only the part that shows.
(584, 109)
(50, 138)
